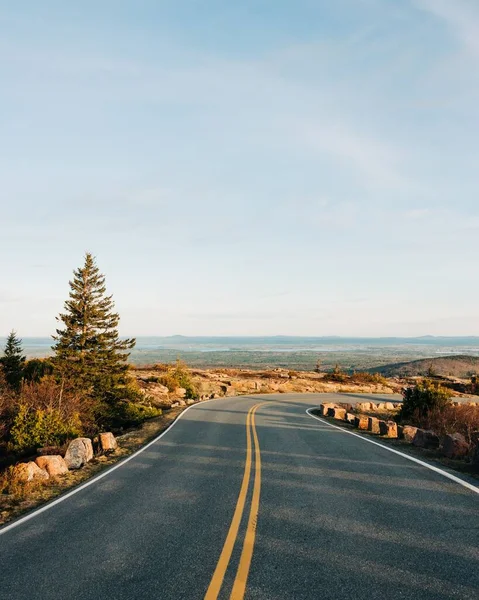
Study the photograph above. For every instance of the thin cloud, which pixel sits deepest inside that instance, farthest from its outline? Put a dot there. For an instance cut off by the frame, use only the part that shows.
(246, 99)
(462, 17)
(374, 159)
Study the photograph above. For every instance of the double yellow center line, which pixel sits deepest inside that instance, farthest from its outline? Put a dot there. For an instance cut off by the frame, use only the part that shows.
(239, 585)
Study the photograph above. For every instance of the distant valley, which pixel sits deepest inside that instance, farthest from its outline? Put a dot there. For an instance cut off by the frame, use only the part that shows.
(390, 356)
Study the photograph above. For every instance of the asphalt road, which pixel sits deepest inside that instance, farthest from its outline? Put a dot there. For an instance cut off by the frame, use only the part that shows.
(267, 503)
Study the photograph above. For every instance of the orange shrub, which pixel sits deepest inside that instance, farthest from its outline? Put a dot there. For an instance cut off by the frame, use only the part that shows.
(451, 419)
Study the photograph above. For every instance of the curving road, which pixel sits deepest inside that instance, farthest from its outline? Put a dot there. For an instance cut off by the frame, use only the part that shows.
(251, 497)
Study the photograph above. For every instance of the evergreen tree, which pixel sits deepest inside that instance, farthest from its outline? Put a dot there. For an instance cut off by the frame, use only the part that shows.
(88, 350)
(12, 361)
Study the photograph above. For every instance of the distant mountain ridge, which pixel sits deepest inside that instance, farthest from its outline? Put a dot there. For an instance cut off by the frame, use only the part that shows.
(279, 339)
(330, 339)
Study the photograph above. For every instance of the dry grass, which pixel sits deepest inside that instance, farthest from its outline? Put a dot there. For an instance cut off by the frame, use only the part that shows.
(18, 490)
(462, 419)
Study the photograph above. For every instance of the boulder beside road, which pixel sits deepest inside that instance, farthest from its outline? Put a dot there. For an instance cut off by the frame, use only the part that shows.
(425, 439)
(361, 422)
(324, 408)
(409, 432)
(79, 452)
(454, 445)
(54, 465)
(28, 472)
(337, 413)
(388, 429)
(107, 442)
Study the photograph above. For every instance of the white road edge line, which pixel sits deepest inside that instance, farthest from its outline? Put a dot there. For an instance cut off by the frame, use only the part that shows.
(81, 487)
(465, 484)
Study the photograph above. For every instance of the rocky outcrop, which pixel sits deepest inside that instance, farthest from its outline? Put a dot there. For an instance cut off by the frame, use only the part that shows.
(233, 382)
(454, 445)
(29, 472)
(79, 452)
(426, 439)
(54, 465)
(107, 442)
(158, 390)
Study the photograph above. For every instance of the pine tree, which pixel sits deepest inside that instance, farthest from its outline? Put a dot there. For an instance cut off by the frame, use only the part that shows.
(13, 361)
(88, 350)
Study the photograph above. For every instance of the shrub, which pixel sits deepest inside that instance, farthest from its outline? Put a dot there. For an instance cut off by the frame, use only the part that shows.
(337, 376)
(16, 488)
(42, 412)
(364, 377)
(122, 407)
(179, 377)
(37, 368)
(424, 397)
(169, 381)
(130, 390)
(462, 419)
(34, 428)
(7, 407)
(191, 390)
(125, 414)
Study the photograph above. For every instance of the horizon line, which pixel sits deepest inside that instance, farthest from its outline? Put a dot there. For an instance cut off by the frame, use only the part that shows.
(277, 336)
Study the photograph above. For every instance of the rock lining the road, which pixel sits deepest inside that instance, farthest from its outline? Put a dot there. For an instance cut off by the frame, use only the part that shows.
(452, 446)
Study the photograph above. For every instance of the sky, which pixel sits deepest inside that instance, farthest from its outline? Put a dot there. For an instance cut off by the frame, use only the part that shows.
(261, 167)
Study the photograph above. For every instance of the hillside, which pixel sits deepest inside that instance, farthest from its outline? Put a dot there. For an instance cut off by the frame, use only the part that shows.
(446, 366)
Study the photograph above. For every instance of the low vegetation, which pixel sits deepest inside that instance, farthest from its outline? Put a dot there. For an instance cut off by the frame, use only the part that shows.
(463, 419)
(179, 377)
(362, 377)
(428, 405)
(423, 398)
(84, 388)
